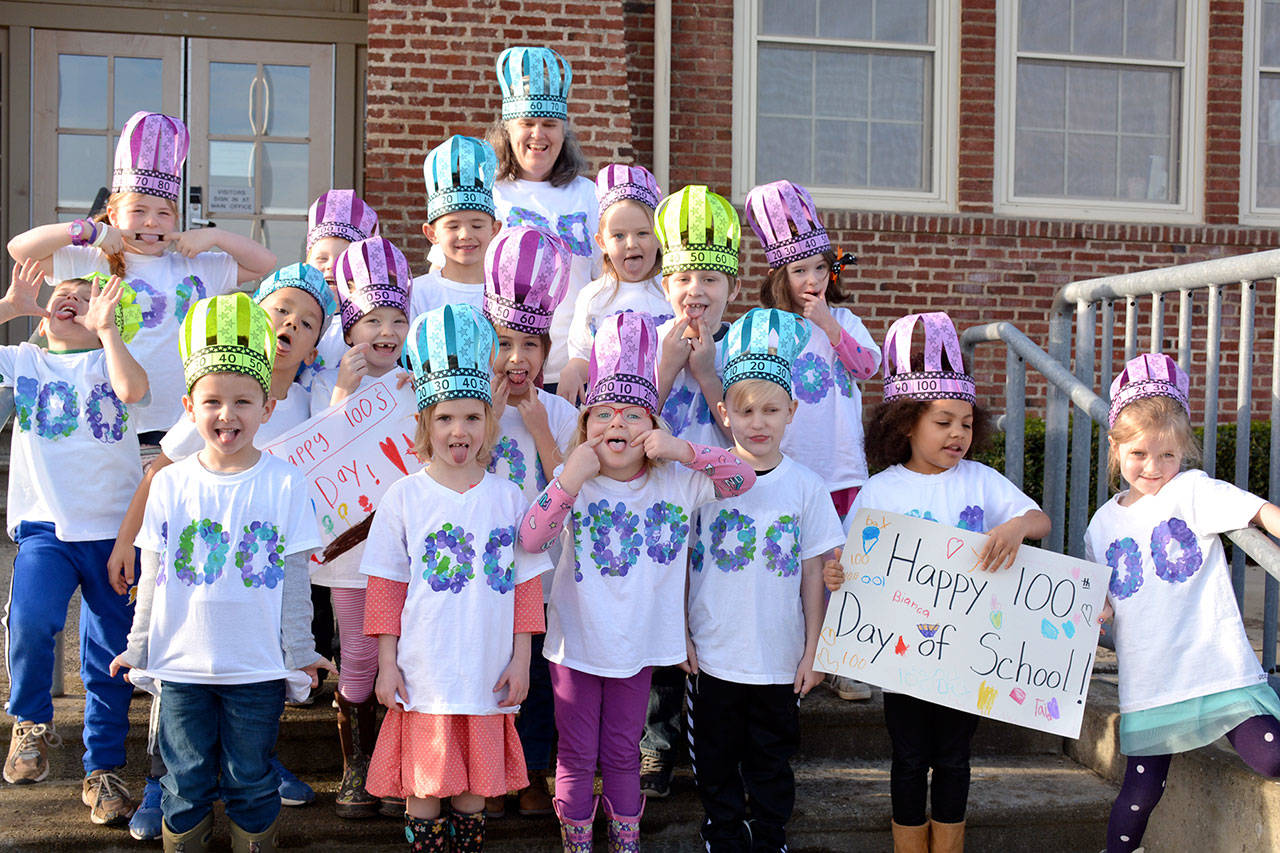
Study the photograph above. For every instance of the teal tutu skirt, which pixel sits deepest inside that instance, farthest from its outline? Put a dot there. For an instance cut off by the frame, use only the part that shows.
(1193, 723)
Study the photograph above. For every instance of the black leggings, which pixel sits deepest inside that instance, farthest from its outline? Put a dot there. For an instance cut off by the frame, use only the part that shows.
(928, 736)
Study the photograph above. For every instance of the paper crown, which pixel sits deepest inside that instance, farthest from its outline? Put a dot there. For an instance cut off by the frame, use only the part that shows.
(624, 360)
(616, 182)
(934, 382)
(128, 313)
(784, 217)
(526, 274)
(371, 274)
(763, 344)
(697, 230)
(451, 350)
(535, 83)
(342, 214)
(149, 156)
(303, 277)
(459, 174)
(227, 334)
(1149, 375)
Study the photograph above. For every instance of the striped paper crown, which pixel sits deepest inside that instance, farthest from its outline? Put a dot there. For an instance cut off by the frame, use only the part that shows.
(1149, 375)
(526, 274)
(459, 174)
(763, 344)
(304, 277)
(371, 274)
(934, 382)
(128, 312)
(697, 230)
(451, 351)
(149, 156)
(535, 83)
(227, 334)
(617, 182)
(784, 217)
(342, 214)
(624, 360)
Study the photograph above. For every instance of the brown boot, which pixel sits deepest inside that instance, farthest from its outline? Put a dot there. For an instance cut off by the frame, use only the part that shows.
(535, 799)
(946, 837)
(355, 735)
(910, 839)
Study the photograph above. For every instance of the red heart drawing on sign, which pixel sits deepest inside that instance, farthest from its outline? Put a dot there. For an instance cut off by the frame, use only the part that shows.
(954, 545)
(389, 449)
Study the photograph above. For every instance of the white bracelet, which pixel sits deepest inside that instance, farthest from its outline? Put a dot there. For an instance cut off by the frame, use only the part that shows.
(101, 235)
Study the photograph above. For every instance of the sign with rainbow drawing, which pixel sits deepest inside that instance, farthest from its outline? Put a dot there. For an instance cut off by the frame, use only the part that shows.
(916, 616)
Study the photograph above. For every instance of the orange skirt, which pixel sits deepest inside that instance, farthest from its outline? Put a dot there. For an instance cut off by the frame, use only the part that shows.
(440, 755)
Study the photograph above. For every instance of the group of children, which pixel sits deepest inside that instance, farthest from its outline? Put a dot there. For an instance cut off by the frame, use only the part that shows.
(606, 460)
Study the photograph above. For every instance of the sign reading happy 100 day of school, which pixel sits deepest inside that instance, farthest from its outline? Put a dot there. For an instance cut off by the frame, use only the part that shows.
(916, 616)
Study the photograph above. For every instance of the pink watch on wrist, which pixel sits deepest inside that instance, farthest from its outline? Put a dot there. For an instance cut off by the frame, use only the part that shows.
(82, 232)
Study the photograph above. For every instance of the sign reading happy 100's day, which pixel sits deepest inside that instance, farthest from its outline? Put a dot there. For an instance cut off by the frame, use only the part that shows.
(916, 616)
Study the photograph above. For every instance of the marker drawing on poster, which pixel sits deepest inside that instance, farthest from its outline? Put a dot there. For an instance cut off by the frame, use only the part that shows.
(917, 616)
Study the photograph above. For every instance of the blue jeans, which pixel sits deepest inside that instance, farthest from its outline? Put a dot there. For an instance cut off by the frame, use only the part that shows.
(212, 730)
(536, 724)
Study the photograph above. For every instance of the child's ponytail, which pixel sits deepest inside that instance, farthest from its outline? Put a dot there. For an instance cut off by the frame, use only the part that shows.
(115, 260)
(347, 540)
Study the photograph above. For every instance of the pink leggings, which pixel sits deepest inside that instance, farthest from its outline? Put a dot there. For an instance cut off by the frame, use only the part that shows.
(358, 667)
(600, 720)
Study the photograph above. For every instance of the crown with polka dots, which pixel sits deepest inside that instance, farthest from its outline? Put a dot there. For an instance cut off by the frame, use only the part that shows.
(624, 361)
(149, 156)
(459, 174)
(1149, 375)
(697, 230)
(763, 344)
(535, 83)
(305, 278)
(128, 313)
(341, 214)
(451, 351)
(617, 182)
(526, 274)
(371, 274)
(934, 382)
(227, 334)
(784, 217)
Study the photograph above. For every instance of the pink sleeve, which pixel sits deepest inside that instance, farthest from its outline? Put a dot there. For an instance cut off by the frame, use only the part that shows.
(730, 475)
(859, 360)
(530, 617)
(383, 603)
(544, 520)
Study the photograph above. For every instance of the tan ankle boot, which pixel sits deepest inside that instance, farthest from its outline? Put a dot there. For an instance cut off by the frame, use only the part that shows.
(910, 839)
(253, 842)
(194, 840)
(946, 837)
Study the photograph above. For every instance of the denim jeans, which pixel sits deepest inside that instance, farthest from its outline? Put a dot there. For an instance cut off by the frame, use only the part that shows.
(212, 732)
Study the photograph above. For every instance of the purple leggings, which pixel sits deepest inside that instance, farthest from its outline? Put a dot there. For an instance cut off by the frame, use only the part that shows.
(600, 720)
(1257, 740)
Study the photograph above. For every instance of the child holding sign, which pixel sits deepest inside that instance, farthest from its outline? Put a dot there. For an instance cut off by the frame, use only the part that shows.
(755, 598)
(924, 429)
(1172, 598)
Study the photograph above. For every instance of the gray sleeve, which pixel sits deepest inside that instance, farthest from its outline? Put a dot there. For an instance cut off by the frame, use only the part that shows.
(135, 652)
(295, 614)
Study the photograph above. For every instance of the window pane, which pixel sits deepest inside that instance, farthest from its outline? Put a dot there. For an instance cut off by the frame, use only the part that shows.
(902, 21)
(1098, 27)
(229, 98)
(1144, 168)
(289, 104)
(1042, 96)
(231, 178)
(840, 155)
(897, 152)
(1268, 171)
(843, 80)
(284, 178)
(82, 169)
(1091, 165)
(1271, 32)
(1153, 29)
(898, 86)
(82, 91)
(286, 238)
(1092, 98)
(1146, 101)
(785, 82)
(1044, 25)
(851, 19)
(137, 85)
(789, 17)
(783, 150)
(1039, 159)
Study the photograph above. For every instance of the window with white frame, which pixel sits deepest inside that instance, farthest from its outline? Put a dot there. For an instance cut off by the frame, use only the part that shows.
(1096, 101)
(843, 96)
(1260, 175)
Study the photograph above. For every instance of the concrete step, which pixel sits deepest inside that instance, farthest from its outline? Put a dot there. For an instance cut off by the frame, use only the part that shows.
(1018, 803)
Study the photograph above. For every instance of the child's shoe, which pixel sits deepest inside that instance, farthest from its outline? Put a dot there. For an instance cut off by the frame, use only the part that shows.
(850, 689)
(624, 832)
(466, 832)
(535, 800)
(107, 798)
(253, 842)
(655, 776)
(293, 791)
(28, 759)
(146, 823)
(575, 834)
(495, 808)
(391, 807)
(194, 840)
(426, 835)
(910, 839)
(356, 723)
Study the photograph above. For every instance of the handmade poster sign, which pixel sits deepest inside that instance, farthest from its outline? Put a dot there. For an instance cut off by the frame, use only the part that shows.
(915, 615)
(353, 452)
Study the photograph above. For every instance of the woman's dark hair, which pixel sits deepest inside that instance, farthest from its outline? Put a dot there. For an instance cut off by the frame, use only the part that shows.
(775, 292)
(570, 164)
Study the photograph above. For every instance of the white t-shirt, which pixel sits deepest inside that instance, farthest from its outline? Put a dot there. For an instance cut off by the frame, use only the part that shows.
(167, 285)
(222, 539)
(971, 496)
(617, 599)
(183, 439)
(515, 456)
(605, 297)
(1177, 628)
(432, 290)
(745, 613)
(686, 410)
(329, 351)
(826, 433)
(75, 444)
(458, 554)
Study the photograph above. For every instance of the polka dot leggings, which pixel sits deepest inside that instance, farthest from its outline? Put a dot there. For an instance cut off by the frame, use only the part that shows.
(1257, 740)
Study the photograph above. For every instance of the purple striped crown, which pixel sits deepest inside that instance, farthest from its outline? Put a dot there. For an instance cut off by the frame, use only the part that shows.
(1149, 375)
(934, 382)
(526, 274)
(784, 217)
(342, 214)
(149, 156)
(624, 360)
(371, 274)
(616, 182)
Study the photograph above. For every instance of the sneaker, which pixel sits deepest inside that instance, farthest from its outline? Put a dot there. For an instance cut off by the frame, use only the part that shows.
(145, 824)
(655, 776)
(293, 791)
(28, 759)
(107, 798)
(495, 808)
(849, 689)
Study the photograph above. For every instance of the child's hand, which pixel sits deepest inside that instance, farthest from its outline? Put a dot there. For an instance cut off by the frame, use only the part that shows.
(500, 390)
(534, 415)
(403, 379)
(660, 444)
(690, 663)
(390, 682)
(22, 297)
(675, 351)
(120, 567)
(833, 572)
(515, 678)
(118, 664)
(193, 242)
(818, 312)
(702, 354)
(573, 381)
(1002, 546)
(101, 316)
(112, 243)
(313, 669)
(1105, 616)
(807, 677)
(583, 464)
(353, 367)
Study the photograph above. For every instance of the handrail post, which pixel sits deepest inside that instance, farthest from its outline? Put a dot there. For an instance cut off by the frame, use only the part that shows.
(1244, 423)
(1081, 434)
(1055, 434)
(1015, 416)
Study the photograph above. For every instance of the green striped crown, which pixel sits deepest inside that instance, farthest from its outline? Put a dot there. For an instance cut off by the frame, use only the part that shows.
(227, 334)
(698, 230)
